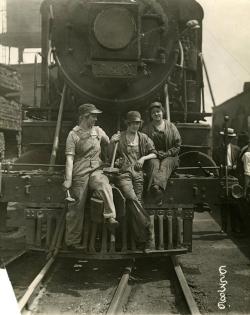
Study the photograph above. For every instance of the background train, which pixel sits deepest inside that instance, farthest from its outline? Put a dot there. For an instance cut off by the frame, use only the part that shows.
(119, 55)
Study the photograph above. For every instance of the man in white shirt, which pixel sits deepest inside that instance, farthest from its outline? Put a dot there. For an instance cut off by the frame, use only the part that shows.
(246, 165)
(228, 155)
(231, 158)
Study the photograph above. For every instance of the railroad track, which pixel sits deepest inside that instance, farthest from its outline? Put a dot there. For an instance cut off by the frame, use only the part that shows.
(122, 293)
(148, 280)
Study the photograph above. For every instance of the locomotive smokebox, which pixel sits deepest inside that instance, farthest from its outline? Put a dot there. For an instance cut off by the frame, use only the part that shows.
(114, 39)
(116, 54)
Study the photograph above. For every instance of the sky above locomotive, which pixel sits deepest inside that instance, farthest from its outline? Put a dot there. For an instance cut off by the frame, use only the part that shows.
(226, 46)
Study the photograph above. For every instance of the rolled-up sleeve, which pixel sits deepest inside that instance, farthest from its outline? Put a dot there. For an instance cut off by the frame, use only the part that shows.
(70, 144)
(103, 135)
(176, 142)
(147, 144)
(150, 146)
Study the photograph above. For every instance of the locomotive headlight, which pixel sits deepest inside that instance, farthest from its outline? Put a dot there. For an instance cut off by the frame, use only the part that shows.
(114, 28)
(237, 191)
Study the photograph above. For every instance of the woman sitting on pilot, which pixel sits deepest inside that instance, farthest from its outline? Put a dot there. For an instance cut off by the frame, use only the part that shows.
(134, 149)
(167, 141)
(84, 172)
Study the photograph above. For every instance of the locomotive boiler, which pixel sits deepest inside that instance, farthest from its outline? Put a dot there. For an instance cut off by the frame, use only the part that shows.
(119, 55)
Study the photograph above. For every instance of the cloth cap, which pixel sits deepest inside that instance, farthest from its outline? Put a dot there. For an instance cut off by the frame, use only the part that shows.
(230, 132)
(155, 104)
(86, 109)
(133, 116)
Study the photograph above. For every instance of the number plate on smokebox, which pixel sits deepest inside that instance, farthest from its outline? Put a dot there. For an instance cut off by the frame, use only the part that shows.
(114, 69)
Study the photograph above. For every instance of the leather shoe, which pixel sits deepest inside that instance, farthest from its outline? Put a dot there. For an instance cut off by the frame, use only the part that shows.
(157, 192)
(112, 221)
(149, 247)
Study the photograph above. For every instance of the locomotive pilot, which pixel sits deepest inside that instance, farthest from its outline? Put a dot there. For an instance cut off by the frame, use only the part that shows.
(83, 173)
(167, 141)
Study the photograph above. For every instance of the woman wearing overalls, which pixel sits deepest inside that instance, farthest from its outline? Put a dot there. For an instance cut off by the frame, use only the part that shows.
(83, 173)
(134, 149)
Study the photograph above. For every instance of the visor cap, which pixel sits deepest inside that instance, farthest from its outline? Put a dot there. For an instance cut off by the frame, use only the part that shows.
(86, 109)
(133, 116)
(155, 104)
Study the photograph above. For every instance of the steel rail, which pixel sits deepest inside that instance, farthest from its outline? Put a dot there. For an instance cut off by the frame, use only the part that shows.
(193, 308)
(34, 284)
(117, 300)
(15, 257)
(53, 254)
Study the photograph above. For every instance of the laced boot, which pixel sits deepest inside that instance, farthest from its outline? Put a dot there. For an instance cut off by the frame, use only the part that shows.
(157, 193)
(150, 244)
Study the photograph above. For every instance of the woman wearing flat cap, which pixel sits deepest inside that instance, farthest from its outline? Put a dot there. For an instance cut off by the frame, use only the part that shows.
(134, 149)
(83, 173)
(167, 141)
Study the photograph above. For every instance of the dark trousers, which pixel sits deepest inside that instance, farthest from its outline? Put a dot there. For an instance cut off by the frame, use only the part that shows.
(131, 185)
(159, 171)
(232, 213)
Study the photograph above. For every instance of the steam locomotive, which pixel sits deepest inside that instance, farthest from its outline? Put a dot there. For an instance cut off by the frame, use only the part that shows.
(120, 55)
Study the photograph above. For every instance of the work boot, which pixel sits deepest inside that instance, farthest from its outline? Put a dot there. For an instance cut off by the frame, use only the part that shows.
(112, 224)
(157, 193)
(150, 244)
(149, 247)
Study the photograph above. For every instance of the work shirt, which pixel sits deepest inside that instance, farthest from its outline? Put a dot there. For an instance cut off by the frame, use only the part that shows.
(246, 163)
(229, 155)
(168, 140)
(131, 153)
(86, 148)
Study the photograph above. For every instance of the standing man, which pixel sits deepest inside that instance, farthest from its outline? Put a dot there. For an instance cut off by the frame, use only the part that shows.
(83, 173)
(2, 146)
(227, 155)
(245, 157)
